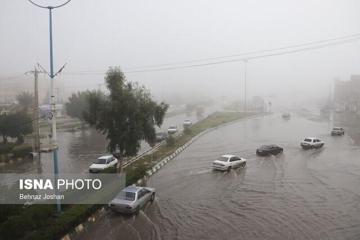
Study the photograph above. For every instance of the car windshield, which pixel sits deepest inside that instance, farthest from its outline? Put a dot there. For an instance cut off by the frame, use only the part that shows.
(307, 140)
(223, 159)
(129, 196)
(100, 161)
(336, 128)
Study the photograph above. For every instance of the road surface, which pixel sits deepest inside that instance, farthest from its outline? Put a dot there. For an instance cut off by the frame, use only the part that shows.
(300, 194)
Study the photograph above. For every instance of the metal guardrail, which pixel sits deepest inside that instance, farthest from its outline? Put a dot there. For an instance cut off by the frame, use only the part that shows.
(147, 152)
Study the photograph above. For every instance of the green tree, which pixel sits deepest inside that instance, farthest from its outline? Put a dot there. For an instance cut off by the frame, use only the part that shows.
(15, 125)
(25, 100)
(127, 115)
(78, 104)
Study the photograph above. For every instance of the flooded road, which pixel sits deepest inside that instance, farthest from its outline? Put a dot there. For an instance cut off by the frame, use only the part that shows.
(77, 150)
(300, 194)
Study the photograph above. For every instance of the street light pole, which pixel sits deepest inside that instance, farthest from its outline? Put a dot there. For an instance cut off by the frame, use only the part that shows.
(52, 97)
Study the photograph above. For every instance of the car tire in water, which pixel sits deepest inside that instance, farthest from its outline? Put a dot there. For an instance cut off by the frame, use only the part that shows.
(228, 169)
(243, 164)
(152, 197)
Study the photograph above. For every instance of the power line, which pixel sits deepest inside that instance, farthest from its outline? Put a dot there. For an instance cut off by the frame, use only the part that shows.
(250, 55)
(247, 56)
(348, 37)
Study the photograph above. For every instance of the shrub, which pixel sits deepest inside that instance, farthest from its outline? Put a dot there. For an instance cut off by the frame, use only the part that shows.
(21, 151)
(170, 141)
(187, 131)
(6, 148)
(135, 174)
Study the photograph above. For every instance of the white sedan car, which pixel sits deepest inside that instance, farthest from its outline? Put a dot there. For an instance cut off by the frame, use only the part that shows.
(103, 163)
(311, 142)
(132, 198)
(227, 162)
(172, 129)
(187, 123)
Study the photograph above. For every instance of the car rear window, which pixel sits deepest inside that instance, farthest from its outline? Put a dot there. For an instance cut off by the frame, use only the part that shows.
(129, 196)
(223, 159)
(307, 140)
(100, 161)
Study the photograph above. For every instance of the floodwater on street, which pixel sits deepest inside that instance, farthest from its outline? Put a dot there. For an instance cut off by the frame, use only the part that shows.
(77, 150)
(300, 194)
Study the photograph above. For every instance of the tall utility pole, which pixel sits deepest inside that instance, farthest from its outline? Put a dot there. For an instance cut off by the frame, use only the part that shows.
(35, 122)
(36, 113)
(245, 72)
(52, 97)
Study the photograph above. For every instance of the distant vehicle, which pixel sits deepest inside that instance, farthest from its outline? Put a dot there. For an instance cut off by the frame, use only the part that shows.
(172, 129)
(311, 142)
(266, 150)
(337, 131)
(103, 163)
(131, 199)
(227, 162)
(161, 136)
(187, 123)
(286, 116)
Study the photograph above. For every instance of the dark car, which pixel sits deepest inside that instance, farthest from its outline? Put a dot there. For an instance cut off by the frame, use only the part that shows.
(266, 150)
(337, 131)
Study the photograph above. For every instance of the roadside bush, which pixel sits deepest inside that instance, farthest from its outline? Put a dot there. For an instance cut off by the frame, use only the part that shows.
(7, 210)
(6, 148)
(170, 141)
(25, 220)
(187, 131)
(135, 174)
(21, 151)
(39, 222)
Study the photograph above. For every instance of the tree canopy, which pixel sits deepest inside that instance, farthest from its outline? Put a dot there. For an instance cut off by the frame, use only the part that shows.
(78, 104)
(25, 100)
(15, 125)
(126, 115)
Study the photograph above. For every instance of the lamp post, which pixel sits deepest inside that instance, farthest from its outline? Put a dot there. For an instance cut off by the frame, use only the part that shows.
(52, 97)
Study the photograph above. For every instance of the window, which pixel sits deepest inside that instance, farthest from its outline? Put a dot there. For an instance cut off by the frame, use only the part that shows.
(233, 159)
(142, 193)
(100, 161)
(307, 140)
(130, 196)
(223, 159)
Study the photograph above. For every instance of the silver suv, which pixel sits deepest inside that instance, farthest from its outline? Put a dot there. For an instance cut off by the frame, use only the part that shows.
(311, 142)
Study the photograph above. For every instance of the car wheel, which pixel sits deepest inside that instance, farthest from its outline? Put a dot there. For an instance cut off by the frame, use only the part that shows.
(243, 164)
(228, 169)
(152, 197)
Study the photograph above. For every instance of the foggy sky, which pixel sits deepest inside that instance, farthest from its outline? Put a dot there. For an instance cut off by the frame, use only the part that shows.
(92, 35)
